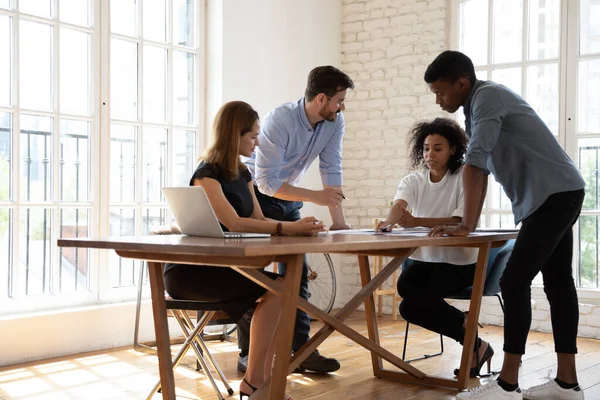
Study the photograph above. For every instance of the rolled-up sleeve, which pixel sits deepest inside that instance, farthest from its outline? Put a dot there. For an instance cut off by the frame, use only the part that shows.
(487, 112)
(330, 159)
(272, 140)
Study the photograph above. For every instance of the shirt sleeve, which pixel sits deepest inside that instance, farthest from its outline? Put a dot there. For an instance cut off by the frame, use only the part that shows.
(487, 112)
(330, 159)
(407, 190)
(272, 141)
(205, 170)
(460, 208)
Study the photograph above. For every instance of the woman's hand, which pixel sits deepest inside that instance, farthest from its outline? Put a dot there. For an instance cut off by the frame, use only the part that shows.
(385, 226)
(407, 220)
(308, 226)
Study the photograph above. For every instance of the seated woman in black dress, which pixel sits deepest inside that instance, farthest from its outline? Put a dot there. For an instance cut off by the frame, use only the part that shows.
(228, 186)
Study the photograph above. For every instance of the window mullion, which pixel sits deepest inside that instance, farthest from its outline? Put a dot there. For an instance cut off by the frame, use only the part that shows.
(14, 287)
(55, 194)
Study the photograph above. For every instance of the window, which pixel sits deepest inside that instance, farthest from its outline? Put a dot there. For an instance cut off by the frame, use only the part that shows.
(67, 162)
(537, 50)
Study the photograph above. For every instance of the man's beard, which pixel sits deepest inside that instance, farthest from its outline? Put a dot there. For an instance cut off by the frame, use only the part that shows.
(328, 115)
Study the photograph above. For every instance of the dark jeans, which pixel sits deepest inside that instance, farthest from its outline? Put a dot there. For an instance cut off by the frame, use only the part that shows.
(281, 210)
(423, 287)
(544, 243)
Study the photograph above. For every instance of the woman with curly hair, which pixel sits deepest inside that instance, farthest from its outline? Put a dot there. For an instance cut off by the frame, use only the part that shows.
(430, 196)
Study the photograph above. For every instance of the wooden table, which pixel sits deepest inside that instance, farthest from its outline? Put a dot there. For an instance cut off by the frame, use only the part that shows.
(247, 256)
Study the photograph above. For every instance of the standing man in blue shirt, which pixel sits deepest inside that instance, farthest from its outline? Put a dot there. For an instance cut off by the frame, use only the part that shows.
(509, 140)
(292, 136)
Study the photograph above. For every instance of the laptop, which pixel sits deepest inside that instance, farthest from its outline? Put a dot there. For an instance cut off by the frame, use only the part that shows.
(195, 216)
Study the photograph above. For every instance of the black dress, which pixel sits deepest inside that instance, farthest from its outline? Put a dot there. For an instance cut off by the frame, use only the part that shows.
(218, 284)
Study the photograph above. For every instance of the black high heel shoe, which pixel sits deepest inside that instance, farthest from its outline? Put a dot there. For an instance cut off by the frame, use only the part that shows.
(242, 394)
(485, 358)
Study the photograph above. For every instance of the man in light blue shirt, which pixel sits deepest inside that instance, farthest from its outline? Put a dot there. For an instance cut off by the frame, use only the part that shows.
(292, 136)
(509, 140)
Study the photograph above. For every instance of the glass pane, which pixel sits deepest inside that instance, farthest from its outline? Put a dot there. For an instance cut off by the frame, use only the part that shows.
(509, 77)
(4, 3)
(122, 270)
(496, 198)
(155, 83)
(123, 157)
(35, 65)
(123, 79)
(588, 251)
(184, 85)
(152, 218)
(154, 159)
(184, 18)
(589, 35)
(588, 158)
(544, 29)
(474, 30)
(123, 17)
(74, 72)
(36, 158)
(74, 160)
(154, 22)
(75, 12)
(73, 272)
(588, 102)
(6, 57)
(542, 93)
(43, 8)
(35, 250)
(6, 265)
(506, 221)
(5, 156)
(508, 31)
(184, 156)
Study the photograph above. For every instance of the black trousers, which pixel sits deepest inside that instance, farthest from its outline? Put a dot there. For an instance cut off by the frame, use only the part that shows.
(544, 244)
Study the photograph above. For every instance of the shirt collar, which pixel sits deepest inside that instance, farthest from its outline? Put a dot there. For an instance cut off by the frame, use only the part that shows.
(302, 114)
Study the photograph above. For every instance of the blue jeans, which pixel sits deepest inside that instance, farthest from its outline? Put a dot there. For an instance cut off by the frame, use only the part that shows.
(281, 210)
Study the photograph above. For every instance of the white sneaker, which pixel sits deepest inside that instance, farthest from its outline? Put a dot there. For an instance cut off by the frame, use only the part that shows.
(552, 391)
(491, 391)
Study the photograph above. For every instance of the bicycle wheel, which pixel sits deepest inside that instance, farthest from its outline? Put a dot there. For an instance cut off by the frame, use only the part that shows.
(321, 281)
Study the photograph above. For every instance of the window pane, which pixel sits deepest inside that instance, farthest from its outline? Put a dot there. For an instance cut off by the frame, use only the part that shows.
(474, 30)
(590, 27)
(152, 218)
(123, 79)
(5, 156)
(35, 64)
(588, 165)
(123, 17)
(36, 158)
(6, 265)
(154, 159)
(184, 156)
(184, 84)
(496, 198)
(74, 160)
(123, 157)
(588, 251)
(4, 3)
(122, 270)
(154, 22)
(75, 12)
(544, 29)
(155, 82)
(73, 272)
(43, 8)
(542, 93)
(506, 221)
(509, 77)
(35, 250)
(74, 72)
(5, 56)
(508, 31)
(184, 17)
(588, 103)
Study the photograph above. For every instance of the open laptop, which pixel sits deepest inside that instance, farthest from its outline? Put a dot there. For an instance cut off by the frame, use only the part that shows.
(195, 216)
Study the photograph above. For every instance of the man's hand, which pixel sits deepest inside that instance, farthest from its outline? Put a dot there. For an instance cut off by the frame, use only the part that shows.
(328, 197)
(450, 230)
(340, 227)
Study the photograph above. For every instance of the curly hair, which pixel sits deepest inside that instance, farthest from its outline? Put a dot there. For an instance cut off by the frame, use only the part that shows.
(445, 127)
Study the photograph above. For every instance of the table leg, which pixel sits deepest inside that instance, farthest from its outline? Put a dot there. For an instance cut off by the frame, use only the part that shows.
(365, 277)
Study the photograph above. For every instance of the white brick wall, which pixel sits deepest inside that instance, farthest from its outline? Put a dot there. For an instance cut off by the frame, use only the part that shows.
(386, 47)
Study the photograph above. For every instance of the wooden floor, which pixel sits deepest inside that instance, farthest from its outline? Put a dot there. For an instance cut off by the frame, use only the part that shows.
(125, 374)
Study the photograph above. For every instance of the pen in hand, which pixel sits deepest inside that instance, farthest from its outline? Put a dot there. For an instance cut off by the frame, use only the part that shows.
(385, 228)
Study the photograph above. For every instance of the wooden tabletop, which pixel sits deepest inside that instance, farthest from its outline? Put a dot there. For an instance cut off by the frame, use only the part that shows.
(278, 245)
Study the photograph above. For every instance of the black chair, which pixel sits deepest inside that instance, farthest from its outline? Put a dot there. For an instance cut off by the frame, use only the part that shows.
(495, 267)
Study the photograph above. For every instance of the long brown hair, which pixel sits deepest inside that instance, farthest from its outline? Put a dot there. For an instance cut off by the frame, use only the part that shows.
(232, 120)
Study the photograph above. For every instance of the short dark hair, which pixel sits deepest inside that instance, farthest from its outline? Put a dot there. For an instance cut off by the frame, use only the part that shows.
(327, 80)
(445, 127)
(450, 66)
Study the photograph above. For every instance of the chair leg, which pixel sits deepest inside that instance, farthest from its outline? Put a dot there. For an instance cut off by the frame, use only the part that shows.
(501, 302)
(425, 356)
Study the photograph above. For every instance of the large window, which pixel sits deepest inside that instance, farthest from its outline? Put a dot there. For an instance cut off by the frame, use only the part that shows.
(93, 123)
(547, 51)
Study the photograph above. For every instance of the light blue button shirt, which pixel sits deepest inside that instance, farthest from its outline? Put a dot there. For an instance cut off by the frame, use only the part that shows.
(510, 140)
(288, 145)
